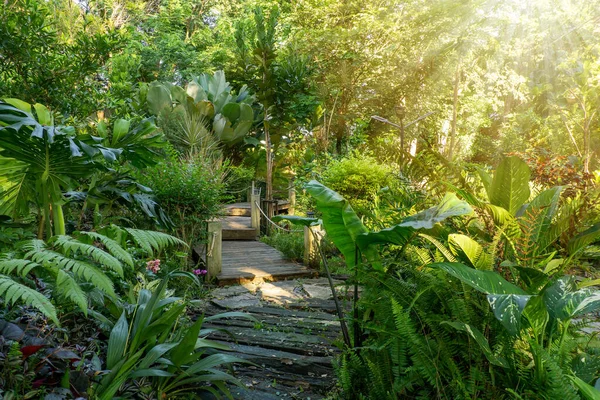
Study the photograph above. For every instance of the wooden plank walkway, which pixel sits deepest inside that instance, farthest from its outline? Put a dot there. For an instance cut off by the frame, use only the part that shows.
(243, 209)
(292, 347)
(248, 260)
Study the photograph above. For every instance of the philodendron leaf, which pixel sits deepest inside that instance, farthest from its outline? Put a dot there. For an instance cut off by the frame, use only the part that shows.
(510, 185)
(488, 282)
(481, 341)
(341, 223)
(297, 220)
(450, 206)
(508, 309)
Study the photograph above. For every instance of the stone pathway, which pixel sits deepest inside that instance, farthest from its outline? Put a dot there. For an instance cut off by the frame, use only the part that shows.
(292, 341)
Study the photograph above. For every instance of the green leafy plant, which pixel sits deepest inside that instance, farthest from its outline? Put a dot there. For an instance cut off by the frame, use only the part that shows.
(38, 161)
(151, 342)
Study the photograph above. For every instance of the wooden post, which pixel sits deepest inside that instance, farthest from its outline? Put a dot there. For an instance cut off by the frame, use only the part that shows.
(311, 251)
(254, 211)
(214, 261)
(292, 197)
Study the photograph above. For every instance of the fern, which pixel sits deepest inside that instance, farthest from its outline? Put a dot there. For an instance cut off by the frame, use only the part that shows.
(13, 292)
(447, 254)
(19, 267)
(69, 288)
(151, 241)
(80, 269)
(112, 246)
(72, 246)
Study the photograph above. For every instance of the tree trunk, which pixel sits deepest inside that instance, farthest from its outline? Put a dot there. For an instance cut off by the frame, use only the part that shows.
(452, 140)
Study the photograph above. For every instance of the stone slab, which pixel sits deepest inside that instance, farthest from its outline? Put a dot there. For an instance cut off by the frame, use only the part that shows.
(237, 302)
(318, 292)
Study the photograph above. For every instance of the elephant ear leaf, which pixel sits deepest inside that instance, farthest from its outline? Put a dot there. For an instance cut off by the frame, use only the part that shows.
(341, 223)
(508, 309)
(450, 206)
(510, 185)
(297, 220)
(488, 282)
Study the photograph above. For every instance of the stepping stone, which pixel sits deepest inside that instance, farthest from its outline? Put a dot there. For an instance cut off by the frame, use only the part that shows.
(229, 291)
(237, 302)
(322, 282)
(318, 292)
(283, 292)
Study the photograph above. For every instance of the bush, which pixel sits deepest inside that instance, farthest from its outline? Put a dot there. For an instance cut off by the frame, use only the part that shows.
(290, 244)
(360, 179)
(189, 192)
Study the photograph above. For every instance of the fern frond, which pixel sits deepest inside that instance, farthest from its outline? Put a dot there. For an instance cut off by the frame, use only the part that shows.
(151, 241)
(69, 288)
(80, 269)
(13, 292)
(443, 249)
(21, 267)
(112, 246)
(72, 246)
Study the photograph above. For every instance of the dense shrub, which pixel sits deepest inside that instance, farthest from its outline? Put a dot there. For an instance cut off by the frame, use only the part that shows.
(189, 192)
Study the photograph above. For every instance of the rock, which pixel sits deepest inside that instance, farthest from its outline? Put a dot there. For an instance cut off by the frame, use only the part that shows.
(318, 292)
(322, 282)
(236, 302)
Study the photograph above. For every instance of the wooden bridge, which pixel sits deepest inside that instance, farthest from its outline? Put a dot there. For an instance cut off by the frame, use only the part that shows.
(234, 254)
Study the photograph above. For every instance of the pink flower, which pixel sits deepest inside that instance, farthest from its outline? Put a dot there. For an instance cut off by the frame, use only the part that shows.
(200, 272)
(153, 265)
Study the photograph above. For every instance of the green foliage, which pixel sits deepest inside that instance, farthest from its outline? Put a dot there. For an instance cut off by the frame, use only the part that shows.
(290, 244)
(75, 266)
(359, 179)
(52, 55)
(189, 193)
(150, 342)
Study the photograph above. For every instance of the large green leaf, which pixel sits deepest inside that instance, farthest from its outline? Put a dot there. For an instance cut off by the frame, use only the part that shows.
(553, 294)
(117, 342)
(465, 247)
(340, 222)
(510, 186)
(297, 220)
(539, 215)
(158, 98)
(450, 206)
(577, 303)
(398, 235)
(508, 309)
(488, 282)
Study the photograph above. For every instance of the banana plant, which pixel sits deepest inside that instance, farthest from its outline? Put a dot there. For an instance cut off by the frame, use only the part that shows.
(208, 105)
(539, 314)
(39, 161)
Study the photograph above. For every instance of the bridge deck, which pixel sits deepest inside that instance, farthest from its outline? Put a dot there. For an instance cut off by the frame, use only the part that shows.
(247, 260)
